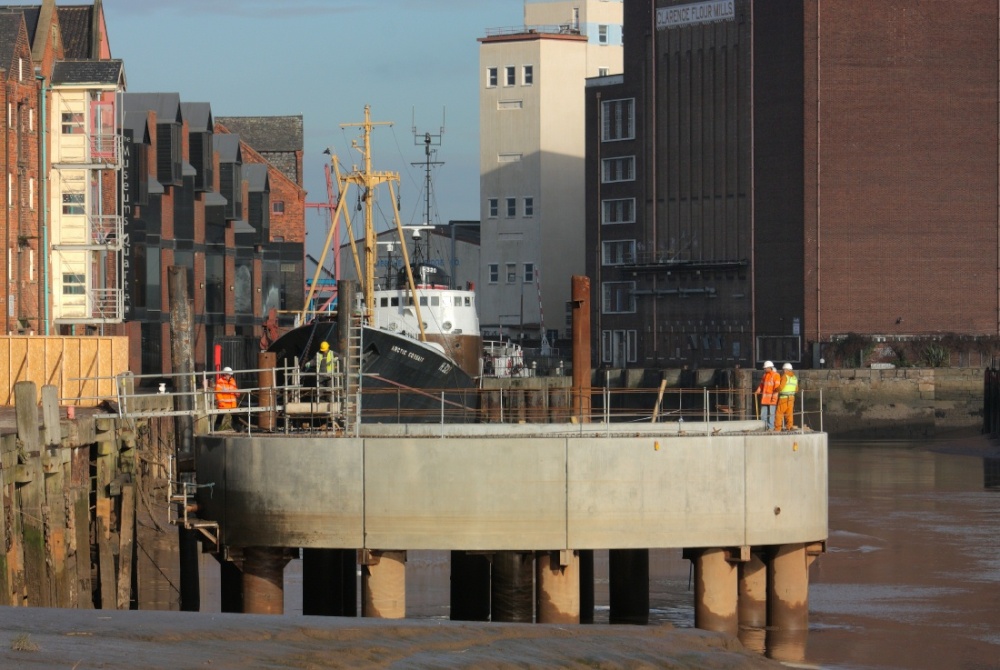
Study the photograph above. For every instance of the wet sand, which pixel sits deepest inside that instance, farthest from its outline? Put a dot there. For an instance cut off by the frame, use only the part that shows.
(100, 639)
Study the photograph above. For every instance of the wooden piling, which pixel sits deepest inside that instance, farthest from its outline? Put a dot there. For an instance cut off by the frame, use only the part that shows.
(31, 492)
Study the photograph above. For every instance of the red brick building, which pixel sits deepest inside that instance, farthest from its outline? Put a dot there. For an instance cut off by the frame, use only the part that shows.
(770, 175)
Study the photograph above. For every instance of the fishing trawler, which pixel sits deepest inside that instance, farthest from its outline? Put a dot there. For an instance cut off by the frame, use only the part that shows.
(420, 347)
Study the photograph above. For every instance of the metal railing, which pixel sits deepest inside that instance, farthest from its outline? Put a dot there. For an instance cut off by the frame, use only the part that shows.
(307, 402)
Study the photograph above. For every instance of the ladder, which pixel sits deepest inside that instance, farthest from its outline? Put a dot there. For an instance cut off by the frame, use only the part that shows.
(352, 374)
(180, 498)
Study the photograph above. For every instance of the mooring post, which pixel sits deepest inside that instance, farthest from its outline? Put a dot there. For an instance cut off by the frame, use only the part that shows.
(715, 591)
(266, 362)
(580, 301)
(263, 580)
(558, 591)
(383, 585)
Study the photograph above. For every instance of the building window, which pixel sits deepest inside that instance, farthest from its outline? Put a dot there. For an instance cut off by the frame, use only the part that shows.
(602, 34)
(528, 75)
(10, 190)
(74, 284)
(529, 273)
(623, 342)
(31, 193)
(72, 123)
(617, 297)
(278, 207)
(529, 207)
(617, 252)
(73, 203)
(508, 158)
(511, 208)
(508, 75)
(603, 71)
(493, 206)
(491, 77)
(618, 169)
(511, 273)
(494, 273)
(618, 120)
(617, 211)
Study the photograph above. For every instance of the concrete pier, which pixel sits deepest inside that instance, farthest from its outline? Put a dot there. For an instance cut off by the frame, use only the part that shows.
(557, 596)
(263, 580)
(752, 595)
(715, 591)
(383, 585)
(725, 492)
(788, 588)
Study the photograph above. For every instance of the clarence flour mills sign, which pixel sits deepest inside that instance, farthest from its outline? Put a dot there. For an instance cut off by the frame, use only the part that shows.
(695, 13)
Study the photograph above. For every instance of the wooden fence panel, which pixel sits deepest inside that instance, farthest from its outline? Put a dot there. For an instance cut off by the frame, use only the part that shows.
(82, 368)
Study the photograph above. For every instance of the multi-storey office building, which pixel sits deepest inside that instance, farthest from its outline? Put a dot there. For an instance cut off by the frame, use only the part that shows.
(768, 176)
(532, 133)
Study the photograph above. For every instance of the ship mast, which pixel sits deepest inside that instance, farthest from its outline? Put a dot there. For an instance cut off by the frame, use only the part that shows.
(366, 181)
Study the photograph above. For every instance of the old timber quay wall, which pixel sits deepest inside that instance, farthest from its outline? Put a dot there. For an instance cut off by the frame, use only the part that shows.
(84, 506)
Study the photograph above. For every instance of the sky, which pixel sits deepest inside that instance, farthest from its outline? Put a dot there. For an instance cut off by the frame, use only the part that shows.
(416, 62)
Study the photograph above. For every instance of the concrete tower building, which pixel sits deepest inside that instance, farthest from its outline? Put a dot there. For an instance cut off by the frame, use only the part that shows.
(532, 139)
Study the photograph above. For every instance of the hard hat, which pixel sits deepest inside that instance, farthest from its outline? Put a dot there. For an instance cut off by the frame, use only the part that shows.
(786, 366)
(227, 370)
(768, 364)
(324, 347)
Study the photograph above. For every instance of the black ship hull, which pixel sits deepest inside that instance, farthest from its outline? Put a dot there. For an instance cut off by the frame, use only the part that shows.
(402, 381)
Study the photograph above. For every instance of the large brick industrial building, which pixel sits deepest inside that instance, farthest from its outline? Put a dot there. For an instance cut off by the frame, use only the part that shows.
(772, 175)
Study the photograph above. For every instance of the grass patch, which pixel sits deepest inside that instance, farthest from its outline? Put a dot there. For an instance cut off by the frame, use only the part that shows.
(23, 643)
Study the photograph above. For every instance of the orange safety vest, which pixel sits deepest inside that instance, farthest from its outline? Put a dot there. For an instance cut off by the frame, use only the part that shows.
(225, 392)
(769, 387)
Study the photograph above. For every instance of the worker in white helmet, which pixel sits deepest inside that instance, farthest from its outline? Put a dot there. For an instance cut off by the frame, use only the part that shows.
(768, 392)
(225, 397)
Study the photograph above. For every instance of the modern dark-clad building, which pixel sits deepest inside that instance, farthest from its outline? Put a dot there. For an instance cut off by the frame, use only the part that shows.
(769, 176)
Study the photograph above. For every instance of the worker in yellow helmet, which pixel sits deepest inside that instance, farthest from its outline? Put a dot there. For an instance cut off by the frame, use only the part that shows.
(325, 360)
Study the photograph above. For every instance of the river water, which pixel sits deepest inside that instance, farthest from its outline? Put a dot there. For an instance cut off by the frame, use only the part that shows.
(911, 577)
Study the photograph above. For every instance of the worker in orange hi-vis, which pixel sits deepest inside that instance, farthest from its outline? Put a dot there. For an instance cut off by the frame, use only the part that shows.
(768, 392)
(787, 389)
(225, 397)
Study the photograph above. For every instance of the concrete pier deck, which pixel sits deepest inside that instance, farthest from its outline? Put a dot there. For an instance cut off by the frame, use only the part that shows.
(518, 487)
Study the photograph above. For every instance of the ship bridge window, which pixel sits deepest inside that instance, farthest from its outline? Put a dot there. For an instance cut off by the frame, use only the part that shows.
(435, 301)
(394, 302)
(409, 301)
(423, 301)
(458, 301)
(468, 301)
(384, 302)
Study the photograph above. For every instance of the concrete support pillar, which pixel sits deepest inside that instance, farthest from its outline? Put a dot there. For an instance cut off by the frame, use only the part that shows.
(752, 592)
(628, 586)
(329, 582)
(586, 585)
(383, 585)
(558, 593)
(263, 580)
(470, 587)
(512, 587)
(788, 588)
(715, 592)
(230, 587)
